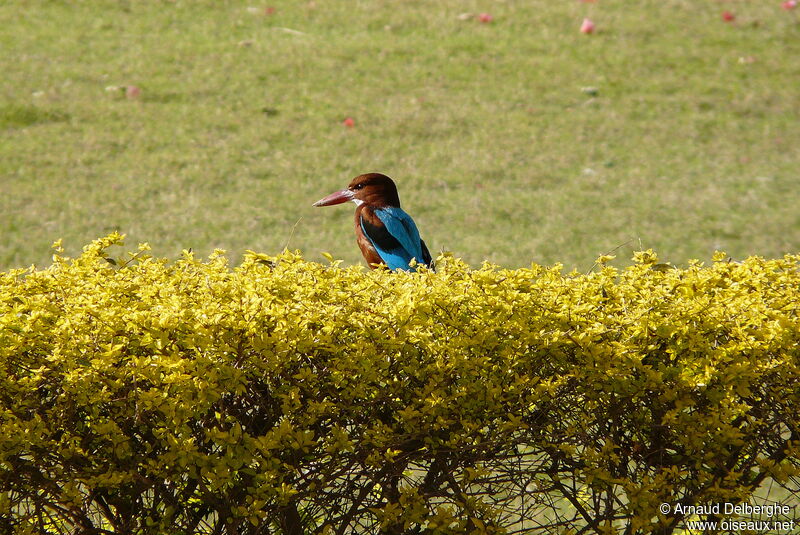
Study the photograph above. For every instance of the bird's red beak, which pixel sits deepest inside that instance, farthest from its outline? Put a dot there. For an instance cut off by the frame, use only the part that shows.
(337, 197)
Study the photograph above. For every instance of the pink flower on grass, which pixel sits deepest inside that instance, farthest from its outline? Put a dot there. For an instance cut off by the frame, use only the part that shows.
(789, 4)
(485, 17)
(133, 91)
(587, 26)
(727, 16)
(349, 122)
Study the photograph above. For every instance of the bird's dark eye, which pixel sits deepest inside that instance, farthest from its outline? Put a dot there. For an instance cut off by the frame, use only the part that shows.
(359, 186)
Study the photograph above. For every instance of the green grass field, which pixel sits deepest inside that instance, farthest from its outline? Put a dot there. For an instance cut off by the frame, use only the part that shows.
(515, 141)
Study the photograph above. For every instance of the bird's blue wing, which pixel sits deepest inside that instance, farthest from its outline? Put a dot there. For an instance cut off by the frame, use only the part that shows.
(399, 241)
(402, 227)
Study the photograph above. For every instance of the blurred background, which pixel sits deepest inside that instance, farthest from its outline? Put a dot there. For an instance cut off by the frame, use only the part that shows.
(516, 131)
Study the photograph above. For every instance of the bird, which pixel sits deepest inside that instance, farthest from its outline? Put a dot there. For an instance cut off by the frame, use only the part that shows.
(385, 233)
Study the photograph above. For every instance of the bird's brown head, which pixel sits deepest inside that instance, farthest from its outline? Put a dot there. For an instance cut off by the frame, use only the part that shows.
(373, 189)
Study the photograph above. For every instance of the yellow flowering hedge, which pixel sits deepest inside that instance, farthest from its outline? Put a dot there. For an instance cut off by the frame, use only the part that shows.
(142, 395)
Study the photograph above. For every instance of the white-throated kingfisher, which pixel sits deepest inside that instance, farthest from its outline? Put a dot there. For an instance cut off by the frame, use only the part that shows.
(384, 232)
